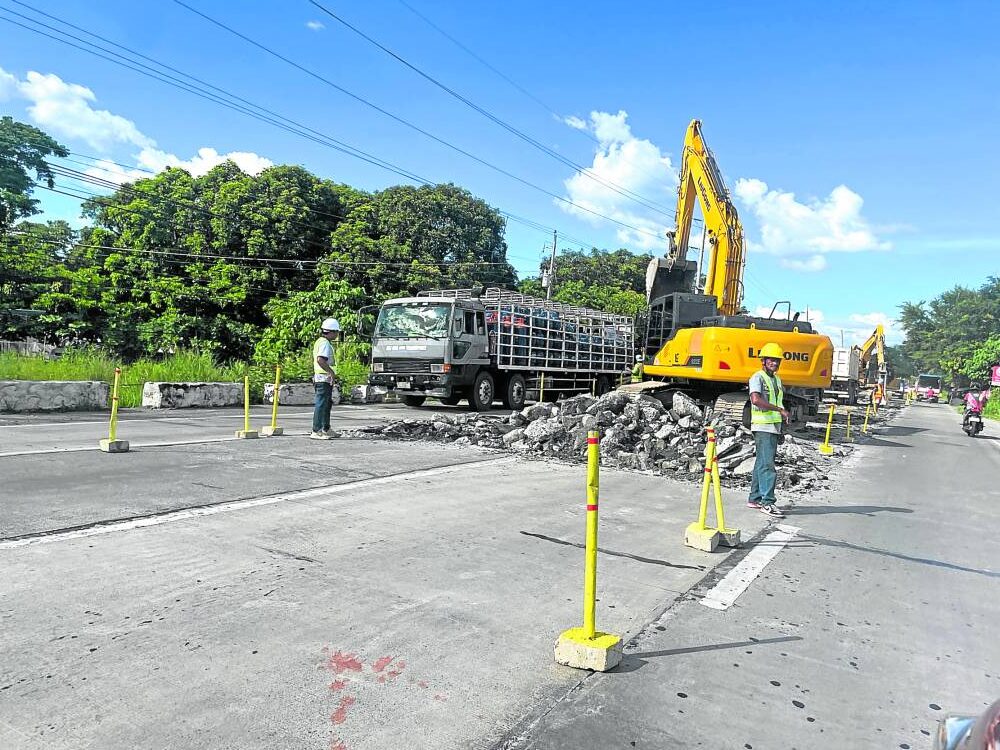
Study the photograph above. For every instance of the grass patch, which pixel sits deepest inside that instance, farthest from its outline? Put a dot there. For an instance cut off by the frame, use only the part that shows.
(181, 367)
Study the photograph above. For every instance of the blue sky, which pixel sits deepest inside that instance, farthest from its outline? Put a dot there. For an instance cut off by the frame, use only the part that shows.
(859, 139)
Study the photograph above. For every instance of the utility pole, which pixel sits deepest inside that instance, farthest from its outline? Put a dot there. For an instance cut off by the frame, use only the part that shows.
(552, 265)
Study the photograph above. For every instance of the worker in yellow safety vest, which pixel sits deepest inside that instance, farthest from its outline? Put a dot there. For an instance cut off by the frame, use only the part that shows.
(324, 378)
(637, 371)
(767, 415)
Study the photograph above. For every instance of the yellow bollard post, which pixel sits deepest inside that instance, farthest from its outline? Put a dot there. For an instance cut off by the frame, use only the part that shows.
(586, 647)
(697, 534)
(826, 449)
(868, 411)
(849, 425)
(590, 562)
(541, 390)
(246, 433)
(728, 537)
(113, 444)
(273, 430)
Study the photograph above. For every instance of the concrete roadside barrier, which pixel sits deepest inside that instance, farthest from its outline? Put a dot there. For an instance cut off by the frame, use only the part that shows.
(585, 647)
(158, 395)
(290, 394)
(25, 396)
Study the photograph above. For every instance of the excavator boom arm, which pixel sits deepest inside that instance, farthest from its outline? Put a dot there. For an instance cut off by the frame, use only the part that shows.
(701, 181)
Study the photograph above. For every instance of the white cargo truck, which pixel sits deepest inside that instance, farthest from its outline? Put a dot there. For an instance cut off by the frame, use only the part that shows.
(490, 343)
(845, 382)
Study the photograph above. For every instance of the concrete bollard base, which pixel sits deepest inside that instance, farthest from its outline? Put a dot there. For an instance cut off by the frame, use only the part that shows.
(272, 431)
(114, 446)
(729, 537)
(247, 434)
(701, 538)
(601, 653)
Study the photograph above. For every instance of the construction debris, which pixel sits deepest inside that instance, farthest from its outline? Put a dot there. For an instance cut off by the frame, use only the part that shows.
(638, 432)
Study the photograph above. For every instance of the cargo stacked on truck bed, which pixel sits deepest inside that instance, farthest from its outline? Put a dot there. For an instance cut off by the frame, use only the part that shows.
(455, 344)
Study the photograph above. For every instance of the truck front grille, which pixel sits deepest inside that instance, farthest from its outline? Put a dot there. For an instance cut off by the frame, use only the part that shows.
(406, 365)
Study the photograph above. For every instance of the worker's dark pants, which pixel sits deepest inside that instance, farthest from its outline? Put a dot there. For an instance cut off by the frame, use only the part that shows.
(764, 474)
(321, 407)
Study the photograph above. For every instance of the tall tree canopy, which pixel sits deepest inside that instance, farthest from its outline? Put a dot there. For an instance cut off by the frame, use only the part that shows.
(614, 281)
(945, 334)
(23, 150)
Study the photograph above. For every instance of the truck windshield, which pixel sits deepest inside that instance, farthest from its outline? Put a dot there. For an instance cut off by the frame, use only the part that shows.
(928, 381)
(413, 319)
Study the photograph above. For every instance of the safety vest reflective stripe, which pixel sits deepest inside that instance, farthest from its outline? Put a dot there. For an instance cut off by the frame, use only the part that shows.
(775, 395)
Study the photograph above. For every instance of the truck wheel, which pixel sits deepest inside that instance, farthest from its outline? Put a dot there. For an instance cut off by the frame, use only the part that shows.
(483, 392)
(451, 400)
(852, 394)
(413, 400)
(514, 393)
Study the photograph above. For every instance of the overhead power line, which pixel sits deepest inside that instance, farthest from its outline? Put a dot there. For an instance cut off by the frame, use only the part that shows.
(624, 192)
(197, 86)
(401, 120)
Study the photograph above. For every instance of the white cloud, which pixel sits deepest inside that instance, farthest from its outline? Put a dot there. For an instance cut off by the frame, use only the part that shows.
(204, 161)
(8, 86)
(633, 165)
(315, 25)
(811, 264)
(855, 329)
(805, 232)
(65, 110)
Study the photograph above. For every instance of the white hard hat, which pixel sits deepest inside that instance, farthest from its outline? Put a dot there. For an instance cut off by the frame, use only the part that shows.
(330, 324)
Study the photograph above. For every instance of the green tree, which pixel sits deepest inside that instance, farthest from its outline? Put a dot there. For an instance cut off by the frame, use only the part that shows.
(23, 150)
(192, 261)
(944, 334)
(31, 265)
(613, 281)
(405, 239)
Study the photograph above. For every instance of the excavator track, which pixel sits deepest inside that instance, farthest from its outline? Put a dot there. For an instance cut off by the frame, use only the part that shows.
(731, 406)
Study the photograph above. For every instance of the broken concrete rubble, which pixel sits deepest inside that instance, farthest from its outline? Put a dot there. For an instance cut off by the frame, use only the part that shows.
(637, 433)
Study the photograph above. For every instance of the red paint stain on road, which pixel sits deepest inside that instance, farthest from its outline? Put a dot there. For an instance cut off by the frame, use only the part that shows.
(382, 662)
(338, 685)
(340, 715)
(339, 663)
(422, 683)
(338, 745)
(439, 697)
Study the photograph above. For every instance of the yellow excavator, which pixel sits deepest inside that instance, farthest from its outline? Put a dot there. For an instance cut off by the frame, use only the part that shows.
(875, 344)
(699, 339)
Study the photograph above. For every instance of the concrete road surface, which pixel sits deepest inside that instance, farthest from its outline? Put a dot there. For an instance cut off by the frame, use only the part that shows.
(289, 593)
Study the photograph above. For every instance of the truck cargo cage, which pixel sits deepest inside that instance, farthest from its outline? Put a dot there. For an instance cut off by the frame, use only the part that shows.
(536, 334)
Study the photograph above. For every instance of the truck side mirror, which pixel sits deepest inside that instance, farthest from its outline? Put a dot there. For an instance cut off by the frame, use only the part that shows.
(367, 316)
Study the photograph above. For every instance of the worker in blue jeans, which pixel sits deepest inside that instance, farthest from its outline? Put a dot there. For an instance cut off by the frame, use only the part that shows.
(323, 379)
(767, 414)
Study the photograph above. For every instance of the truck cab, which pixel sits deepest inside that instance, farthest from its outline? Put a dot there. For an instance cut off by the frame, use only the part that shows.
(429, 346)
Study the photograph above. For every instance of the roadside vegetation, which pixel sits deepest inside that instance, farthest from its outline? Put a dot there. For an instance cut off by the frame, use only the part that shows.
(229, 267)
(183, 366)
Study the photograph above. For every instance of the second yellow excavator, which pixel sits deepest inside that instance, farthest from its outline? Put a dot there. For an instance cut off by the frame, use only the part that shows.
(702, 342)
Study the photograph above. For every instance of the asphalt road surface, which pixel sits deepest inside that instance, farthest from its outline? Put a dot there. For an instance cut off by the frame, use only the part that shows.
(203, 592)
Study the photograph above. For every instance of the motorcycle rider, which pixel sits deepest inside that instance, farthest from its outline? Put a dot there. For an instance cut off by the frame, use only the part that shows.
(975, 401)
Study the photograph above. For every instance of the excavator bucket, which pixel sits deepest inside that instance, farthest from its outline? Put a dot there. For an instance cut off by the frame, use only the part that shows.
(665, 276)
